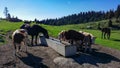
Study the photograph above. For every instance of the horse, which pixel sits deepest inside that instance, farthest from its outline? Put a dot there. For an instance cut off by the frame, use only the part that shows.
(106, 31)
(77, 38)
(92, 37)
(19, 38)
(34, 31)
(70, 36)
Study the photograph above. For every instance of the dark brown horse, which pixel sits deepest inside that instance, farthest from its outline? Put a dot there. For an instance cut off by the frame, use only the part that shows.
(34, 31)
(106, 32)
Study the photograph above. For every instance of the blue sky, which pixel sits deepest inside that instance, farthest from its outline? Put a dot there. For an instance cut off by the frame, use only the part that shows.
(43, 9)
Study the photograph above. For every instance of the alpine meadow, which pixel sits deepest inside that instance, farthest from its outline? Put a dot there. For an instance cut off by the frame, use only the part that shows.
(59, 33)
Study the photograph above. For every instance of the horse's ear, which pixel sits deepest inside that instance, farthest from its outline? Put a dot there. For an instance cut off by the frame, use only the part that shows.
(27, 25)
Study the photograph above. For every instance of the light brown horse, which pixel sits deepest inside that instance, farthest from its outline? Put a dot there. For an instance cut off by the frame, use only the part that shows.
(19, 39)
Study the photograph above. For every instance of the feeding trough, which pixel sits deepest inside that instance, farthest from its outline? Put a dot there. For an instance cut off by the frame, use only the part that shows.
(63, 49)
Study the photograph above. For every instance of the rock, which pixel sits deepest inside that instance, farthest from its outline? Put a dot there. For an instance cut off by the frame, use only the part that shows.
(66, 62)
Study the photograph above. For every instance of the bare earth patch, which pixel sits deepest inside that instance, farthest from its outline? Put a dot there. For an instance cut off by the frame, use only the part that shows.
(45, 57)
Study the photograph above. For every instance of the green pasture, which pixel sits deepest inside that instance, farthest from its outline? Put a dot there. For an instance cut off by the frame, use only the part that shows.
(53, 31)
(5, 27)
(113, 42)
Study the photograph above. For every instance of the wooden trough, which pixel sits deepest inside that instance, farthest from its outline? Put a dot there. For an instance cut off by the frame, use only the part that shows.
(63, 49)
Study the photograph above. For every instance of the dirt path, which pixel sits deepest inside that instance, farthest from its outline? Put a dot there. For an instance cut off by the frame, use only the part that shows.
(45, 57)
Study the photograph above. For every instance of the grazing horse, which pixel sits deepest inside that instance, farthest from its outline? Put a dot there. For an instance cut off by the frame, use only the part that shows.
(70, 36)
(75, 37)
(34, 31)
(106, 31)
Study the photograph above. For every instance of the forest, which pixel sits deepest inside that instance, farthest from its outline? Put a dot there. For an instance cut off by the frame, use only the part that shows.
(84, 17)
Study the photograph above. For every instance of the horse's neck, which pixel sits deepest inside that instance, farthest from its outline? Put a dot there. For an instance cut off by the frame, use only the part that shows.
(43, 31)
(29, 30)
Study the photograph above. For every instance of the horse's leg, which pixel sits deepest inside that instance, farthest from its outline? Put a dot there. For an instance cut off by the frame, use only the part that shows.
(102, 35)
(90, 49)
(14, 52)
(108, 35)
(36, 39)
(14, 46)
(86, 47)
(32, 40)
(18, 47)
(71, 41)
(14, 49)
(26, 43)
(81, 45)
(23, 46)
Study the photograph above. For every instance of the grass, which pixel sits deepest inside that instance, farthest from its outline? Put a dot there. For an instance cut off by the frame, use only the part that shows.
(2, 40)
(5, 27)
(53, 31)
(114, 41)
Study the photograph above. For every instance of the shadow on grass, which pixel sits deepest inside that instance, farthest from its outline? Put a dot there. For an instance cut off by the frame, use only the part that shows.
(117, 40)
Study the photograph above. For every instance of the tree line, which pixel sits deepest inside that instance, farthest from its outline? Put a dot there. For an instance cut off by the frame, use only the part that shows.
(83, 17)
(8, 16)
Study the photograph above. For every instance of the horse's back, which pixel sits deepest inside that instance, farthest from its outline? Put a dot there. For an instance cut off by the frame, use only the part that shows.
(36, 29)
(72, 34)
(106, 30)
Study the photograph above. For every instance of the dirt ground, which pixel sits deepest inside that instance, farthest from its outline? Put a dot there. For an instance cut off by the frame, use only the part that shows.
(46, 57)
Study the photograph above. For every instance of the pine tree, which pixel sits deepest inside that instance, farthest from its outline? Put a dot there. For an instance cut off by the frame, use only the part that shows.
(6, 12)
(117, 12)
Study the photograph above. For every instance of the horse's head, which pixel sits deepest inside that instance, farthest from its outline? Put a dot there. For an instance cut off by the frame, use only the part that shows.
(26, 26)
(46, 35)
(40, 29)
(62, 36)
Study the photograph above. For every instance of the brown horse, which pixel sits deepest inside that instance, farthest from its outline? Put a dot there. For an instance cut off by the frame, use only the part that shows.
(106, 31)
(20, 39)
(34, 31)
